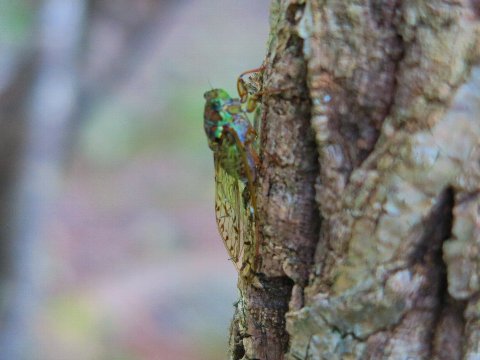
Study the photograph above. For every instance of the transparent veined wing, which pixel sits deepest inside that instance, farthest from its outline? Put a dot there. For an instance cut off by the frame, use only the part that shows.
(228, 203)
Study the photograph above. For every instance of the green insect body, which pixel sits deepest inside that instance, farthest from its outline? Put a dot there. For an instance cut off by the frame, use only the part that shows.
(232, 139)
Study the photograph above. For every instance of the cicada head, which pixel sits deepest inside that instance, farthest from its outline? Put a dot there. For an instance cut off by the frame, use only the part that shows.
(213, 117)
(219, 113)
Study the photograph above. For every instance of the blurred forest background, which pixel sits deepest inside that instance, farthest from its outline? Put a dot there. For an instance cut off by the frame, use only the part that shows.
(108, 243)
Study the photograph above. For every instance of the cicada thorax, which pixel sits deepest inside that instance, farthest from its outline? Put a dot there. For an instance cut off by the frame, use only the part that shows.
(232, 160)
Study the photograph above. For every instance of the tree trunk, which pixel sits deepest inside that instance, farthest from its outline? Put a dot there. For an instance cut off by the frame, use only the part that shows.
(369, 189)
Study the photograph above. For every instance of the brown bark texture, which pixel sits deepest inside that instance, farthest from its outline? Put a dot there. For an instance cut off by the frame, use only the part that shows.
(369, 189)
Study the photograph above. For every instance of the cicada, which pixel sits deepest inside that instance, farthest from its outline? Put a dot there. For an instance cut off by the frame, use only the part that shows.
(232, 139)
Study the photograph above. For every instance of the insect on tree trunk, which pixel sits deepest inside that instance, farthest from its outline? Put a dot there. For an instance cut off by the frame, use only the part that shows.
(369, 184)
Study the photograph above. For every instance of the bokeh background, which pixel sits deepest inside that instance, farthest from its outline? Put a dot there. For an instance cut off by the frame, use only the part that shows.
(108, 242)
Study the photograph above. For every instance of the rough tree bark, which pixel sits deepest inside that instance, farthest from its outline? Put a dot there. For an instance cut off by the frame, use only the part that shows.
(369, 187)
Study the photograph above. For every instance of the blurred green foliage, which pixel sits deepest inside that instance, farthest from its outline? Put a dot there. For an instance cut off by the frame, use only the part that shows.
(16, 17)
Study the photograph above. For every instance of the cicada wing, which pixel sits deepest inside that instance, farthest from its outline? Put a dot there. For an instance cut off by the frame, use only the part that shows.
(248, 223)
(228, 204)
(248, 208)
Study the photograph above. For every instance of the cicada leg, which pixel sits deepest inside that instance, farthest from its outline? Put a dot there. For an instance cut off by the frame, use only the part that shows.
(250, 91)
